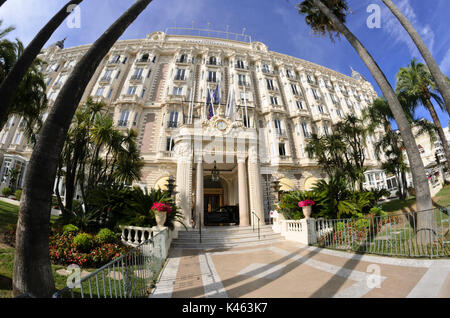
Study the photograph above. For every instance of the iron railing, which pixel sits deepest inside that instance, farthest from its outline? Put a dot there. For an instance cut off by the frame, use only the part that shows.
(131, 275)
(410, 234)
(253, 224)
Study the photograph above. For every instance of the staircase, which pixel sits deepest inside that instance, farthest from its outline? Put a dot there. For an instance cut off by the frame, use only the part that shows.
(216, 237)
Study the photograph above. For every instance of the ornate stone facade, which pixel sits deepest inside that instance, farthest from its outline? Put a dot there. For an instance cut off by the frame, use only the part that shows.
(149, 85)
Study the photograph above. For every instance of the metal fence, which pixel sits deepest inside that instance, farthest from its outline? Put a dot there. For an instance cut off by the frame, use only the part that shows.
(131, 275)
(410, 234)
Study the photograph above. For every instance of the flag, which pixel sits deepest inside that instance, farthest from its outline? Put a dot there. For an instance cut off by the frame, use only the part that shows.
(231, 105)
(216, 95)
(209, 102)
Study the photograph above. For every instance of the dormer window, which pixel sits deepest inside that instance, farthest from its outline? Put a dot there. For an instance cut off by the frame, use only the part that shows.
(183, 58)
(240, 64)
(144, 58)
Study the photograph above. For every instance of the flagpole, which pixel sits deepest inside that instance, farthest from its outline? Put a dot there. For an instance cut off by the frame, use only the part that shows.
(245, 105)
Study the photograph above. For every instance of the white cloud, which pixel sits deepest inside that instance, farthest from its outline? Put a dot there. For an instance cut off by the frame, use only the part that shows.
(392, 26)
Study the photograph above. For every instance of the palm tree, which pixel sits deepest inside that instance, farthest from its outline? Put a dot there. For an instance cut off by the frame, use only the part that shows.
(8, 52)
(416, 83)
(9, 86)
(2, 2)
(439, 77)
(32, 268)
(329, 16)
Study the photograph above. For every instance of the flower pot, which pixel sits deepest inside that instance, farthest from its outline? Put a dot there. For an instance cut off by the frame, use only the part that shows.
(307, 211)
(160, 218)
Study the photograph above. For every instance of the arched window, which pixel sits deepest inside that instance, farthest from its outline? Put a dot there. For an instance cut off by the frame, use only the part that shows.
(213, 60)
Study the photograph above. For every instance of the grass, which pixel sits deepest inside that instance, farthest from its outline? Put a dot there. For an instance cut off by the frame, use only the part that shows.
(442, 199)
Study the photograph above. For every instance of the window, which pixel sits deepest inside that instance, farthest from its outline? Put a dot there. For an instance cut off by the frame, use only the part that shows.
(273, 100)
(326, 131)
(265, 68)
(321, 110)
(183, 58)
(278, 128)
(177, 90)
(149, 73)
(154, 59)
(316, 95)
(137, 74)
(169, 144)
(110, 93)
(338, 111)
(240, 64)
(144, 58)
(143, 93)
(289, 74)
(125, 59)
(212, 76)
(245, 96)
(180, 75)
(118, 74)
(123, 122)
(213, 60)
(132, 90)
(100, 91)
(299, 104)
(270, 84)
(282, 149)
(115, 59)
(246, 121)
(294, 89)
(173, 120)
(242, 79)
(305, 130)
(108, 74)
(135, 119)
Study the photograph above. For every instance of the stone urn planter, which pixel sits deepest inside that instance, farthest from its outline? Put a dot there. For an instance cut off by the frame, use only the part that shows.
(160, 218)
(307, 211)
(306, 206)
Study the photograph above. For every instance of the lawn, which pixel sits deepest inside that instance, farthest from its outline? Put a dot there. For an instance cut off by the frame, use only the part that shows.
(442, 199)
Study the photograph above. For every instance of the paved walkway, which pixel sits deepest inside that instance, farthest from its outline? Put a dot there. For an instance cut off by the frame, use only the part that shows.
(289, 270)
(15, 202)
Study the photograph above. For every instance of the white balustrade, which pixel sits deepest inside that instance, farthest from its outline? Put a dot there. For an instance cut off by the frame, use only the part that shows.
(135, 235)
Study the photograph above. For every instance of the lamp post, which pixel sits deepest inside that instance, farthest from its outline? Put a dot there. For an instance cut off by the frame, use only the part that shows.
(276, 188)
(171, 186)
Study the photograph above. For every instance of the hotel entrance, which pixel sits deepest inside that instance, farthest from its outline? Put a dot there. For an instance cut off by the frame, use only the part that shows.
(213, 200)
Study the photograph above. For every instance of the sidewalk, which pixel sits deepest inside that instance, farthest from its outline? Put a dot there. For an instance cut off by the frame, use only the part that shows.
(289, 270)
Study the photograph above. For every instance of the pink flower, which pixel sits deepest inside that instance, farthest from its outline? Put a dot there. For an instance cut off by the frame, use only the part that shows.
(306, 202)
(161, 207)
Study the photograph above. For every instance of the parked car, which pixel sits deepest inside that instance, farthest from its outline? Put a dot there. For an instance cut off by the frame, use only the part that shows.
(225, 214)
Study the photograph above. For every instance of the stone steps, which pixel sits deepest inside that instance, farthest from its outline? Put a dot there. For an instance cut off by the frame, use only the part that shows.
(225, 237)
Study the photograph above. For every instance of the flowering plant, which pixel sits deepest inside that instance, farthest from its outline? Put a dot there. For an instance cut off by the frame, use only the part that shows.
(307, 202)
(161, 207)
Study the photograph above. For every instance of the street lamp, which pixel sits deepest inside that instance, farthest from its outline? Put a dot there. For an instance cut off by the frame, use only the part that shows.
(215, 173)
(171, 185)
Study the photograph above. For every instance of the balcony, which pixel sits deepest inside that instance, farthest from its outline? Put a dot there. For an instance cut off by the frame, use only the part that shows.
(136, 78)
(244, 83)
(215, 64)
(179, 78)
(300, 112)
(292, 77)
(312, 82)
(182, 61)
(321, 116)
(242, 67)
(268, 72)
(142, 61)
(122, 123)
(281, 133)
(211, 80)
(272, 89)
(172, 124)
(114, 62)
(105, 80)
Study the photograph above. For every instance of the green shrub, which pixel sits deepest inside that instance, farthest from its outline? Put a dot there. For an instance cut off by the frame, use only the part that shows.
(70, 228)
(376, 211)
(6, 192)
(106, 236)
(18, 194)
(83, 242)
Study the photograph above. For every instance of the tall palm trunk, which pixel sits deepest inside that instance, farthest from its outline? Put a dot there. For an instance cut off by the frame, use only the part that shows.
(423, 195)
(32, 267)
(435, 71)
(437, 123)
(9, 86)
(2, 2)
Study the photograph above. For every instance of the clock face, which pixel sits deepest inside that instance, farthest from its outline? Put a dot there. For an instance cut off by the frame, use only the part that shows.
(221, 125)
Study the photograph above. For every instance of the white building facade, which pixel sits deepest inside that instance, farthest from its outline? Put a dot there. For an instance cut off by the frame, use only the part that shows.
(159, 87)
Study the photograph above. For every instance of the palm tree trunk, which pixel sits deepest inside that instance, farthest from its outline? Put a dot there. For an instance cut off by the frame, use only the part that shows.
(437, 123)
(32, 267)
(2, 2)
(423, 195)
(9, 86)
(435, 71)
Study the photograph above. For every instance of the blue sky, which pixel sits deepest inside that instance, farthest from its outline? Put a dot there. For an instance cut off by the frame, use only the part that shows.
(273, 22)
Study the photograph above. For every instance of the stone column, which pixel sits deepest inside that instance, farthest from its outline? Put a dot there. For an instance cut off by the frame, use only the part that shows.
(199, 197)
(183, 182)
(255, 187)
(243, 193)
